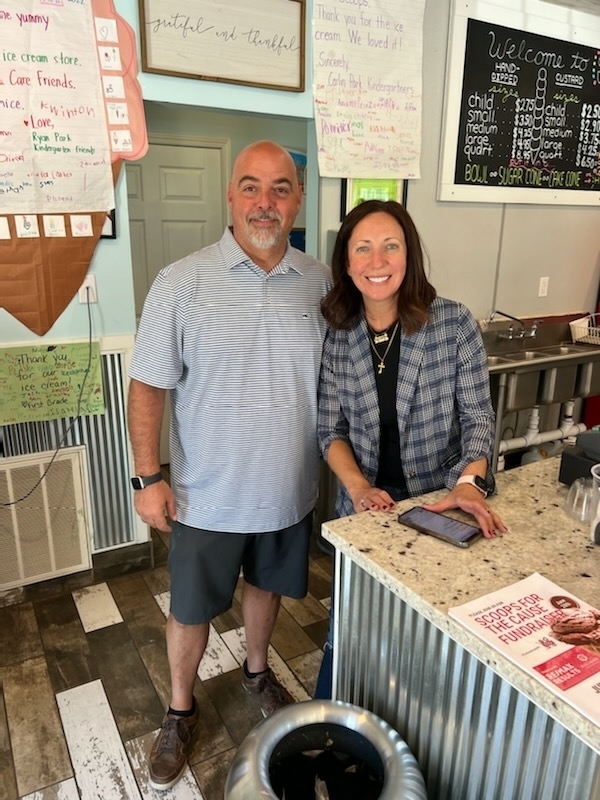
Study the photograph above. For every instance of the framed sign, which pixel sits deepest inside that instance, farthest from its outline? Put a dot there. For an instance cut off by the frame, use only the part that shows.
(255, 44)
(109, 229)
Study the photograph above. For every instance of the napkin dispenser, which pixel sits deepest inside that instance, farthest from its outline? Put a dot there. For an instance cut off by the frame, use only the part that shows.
(577, 460)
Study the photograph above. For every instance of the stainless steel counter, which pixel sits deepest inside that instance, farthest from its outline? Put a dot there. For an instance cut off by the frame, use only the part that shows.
(480, 727)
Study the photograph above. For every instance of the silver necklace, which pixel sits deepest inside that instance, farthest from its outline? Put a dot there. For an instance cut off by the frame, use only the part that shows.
(372, 342)
(380, 338)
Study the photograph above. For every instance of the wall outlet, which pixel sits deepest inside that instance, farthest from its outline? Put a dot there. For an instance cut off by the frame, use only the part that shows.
(87, 290)
(543, 287)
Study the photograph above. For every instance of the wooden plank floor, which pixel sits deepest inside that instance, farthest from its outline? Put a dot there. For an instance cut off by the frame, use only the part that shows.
(84, 681)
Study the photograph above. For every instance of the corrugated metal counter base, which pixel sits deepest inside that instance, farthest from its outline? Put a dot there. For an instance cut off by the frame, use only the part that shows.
(475, 737)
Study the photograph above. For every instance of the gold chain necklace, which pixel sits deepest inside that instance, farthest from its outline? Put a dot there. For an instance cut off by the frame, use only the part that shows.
(381, 365)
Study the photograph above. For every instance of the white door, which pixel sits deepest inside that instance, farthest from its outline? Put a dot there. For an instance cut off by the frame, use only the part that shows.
(177, 197)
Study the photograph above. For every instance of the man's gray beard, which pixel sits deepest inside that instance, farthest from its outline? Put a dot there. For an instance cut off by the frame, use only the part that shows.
(264, 240)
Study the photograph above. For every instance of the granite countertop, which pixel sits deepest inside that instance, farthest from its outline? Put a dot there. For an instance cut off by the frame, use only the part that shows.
(432, 576)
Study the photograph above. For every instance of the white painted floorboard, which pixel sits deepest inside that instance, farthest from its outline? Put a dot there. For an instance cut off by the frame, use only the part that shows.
(96, 607)
(66, 790)
(217, 657)
(102, 769)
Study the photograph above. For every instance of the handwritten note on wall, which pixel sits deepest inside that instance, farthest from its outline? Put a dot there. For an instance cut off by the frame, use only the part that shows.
(367, 87)
(39, 382)
(54, 147)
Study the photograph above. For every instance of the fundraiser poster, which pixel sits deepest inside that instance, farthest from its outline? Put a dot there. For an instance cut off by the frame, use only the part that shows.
(551, 634)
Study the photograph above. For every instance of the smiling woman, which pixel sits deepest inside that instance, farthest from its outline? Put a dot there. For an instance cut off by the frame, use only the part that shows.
(404, 393)
(377, 265)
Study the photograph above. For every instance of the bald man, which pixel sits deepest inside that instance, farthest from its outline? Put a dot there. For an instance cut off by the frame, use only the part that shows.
(234, 333)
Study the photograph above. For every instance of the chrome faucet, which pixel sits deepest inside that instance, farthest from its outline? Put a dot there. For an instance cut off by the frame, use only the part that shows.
(531, 333)
(522, 333)
(509, 334)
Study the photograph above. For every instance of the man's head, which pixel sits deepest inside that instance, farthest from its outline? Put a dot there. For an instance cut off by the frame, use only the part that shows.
(264, 198)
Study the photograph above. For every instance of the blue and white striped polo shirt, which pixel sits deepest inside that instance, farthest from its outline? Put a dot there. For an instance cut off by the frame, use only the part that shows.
(240, 350)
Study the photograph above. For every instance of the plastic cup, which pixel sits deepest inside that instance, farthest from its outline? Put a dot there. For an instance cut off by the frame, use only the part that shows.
(595, 526)
(582, 499)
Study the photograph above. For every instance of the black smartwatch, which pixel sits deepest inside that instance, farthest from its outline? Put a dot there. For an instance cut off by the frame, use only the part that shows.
(477, 482)
(141, 481)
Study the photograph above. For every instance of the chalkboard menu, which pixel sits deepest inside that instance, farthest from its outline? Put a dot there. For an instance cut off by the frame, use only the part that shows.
(529, 113)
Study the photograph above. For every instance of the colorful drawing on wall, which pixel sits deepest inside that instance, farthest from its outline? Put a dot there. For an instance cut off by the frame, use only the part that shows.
(67, 151)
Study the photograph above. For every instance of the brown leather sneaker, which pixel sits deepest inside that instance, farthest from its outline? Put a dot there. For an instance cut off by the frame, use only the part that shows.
(168, 756)
(268, 691)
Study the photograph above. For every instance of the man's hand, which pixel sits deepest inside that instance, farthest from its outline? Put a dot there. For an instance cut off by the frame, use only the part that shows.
(156, 505)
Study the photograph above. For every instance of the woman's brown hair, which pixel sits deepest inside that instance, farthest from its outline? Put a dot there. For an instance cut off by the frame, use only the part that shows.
(343, 305)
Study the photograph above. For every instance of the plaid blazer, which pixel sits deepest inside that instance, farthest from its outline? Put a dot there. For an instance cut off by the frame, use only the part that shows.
(445, 414)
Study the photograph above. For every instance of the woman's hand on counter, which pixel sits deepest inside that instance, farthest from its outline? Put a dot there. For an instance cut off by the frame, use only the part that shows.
(471, 501)
(372, 499)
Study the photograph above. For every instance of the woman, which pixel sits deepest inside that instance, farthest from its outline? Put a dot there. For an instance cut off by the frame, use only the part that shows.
(404, 397)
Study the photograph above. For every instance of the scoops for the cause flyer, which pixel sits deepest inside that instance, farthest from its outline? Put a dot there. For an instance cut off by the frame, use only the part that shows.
(552, 635)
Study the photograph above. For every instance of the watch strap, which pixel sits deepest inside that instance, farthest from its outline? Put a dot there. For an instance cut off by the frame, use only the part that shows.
(476, 481)
(141, 481)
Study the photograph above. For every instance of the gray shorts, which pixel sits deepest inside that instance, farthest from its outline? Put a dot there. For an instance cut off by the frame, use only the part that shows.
(205, 567)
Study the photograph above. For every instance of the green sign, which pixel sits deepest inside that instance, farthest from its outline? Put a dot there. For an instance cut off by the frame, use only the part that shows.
(373, 189)
(42, 381)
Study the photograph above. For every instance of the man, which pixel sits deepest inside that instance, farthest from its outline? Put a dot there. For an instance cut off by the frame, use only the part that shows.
(234, 332)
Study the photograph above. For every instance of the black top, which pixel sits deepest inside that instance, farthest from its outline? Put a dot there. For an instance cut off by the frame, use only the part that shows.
(390, 464)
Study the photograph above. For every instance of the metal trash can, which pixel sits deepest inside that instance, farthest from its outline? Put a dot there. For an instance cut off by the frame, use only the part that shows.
(324, 725)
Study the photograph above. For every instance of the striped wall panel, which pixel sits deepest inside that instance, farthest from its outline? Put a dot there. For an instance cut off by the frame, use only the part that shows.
(105, 439)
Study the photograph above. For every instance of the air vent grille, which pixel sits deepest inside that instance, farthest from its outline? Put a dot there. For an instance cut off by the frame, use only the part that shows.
(48, 533)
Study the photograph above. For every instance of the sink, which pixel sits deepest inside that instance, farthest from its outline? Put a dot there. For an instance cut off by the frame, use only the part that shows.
(563, 350)
(588, 379)
(524, 355)
(494, 361)
(557, 384)
(522, 390)
(566, 349)
(542, 375)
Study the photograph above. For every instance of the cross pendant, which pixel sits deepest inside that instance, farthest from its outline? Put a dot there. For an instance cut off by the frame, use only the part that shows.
(380, 367)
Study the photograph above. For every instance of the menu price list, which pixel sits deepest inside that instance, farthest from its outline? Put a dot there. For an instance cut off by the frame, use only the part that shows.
(530, 111)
